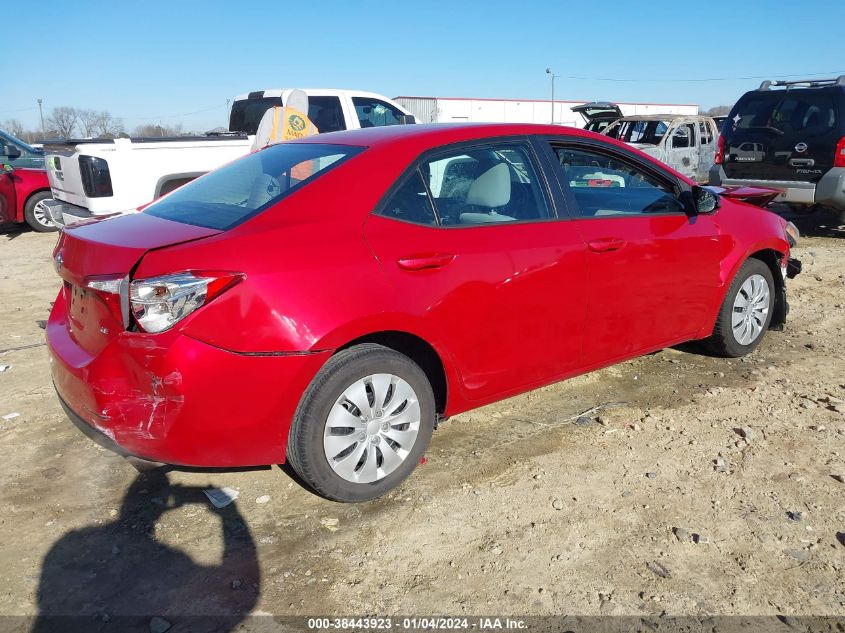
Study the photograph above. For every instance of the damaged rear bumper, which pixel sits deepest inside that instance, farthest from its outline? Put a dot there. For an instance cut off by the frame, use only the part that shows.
(182, 402)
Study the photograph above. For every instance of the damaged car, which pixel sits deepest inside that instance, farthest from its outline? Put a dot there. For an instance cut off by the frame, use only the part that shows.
(685, 143)
(328, 302)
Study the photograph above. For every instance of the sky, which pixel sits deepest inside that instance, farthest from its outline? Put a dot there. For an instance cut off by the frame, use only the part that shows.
(178, 61)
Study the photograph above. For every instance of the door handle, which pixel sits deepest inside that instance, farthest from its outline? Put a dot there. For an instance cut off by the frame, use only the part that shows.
(606, 244)
(424, 262)
(802, 162)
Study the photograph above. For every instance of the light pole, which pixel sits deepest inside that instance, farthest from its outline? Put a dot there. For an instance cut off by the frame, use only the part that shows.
(227, 112)
(41, 112)
(553, 76)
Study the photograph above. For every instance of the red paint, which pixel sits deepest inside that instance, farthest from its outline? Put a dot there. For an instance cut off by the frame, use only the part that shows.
(507, 307)
(16, 188)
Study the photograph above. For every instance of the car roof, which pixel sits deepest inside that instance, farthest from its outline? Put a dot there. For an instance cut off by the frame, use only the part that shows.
(425, 135)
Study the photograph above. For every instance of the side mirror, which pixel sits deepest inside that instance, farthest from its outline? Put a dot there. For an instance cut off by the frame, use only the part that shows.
(407, 119)
(11, 152)
(704, 200)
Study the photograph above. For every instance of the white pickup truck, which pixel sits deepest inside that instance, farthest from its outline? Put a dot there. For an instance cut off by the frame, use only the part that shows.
(91, 178)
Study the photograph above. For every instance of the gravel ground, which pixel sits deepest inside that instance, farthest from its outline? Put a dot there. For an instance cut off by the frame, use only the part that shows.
(698, 486)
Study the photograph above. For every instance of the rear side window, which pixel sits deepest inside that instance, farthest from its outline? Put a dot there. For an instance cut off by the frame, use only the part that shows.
(229, 195)
(811, 113)
(483, 185)
(410, 202)
(326, 114)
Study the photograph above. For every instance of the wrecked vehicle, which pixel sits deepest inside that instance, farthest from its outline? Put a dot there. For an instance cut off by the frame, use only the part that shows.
(598, 114)
(685, 143)
(326, 302)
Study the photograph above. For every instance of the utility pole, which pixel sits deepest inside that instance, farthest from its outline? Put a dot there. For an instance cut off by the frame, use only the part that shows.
(41, 112)
(227, 112)
(553, 76)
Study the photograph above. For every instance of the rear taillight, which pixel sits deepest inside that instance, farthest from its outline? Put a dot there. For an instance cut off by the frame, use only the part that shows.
(839, 157)
(96, 179)
(158, 303)
(113, 290)
(720, 150)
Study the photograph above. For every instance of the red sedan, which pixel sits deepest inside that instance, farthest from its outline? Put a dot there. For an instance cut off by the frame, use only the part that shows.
(326, 302)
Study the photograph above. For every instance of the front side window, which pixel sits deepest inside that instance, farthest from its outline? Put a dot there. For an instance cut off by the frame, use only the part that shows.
(483, 185)
(375, 112)
(229, 195)
(683, 136)
(604, 185)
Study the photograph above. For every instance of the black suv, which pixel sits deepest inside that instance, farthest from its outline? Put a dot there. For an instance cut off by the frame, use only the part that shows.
(788, 135)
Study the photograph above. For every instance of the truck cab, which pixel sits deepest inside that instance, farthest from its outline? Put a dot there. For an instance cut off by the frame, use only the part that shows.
(24, 154)
(96, 177)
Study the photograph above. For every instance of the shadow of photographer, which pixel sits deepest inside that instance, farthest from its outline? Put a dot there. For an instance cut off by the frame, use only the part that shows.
(118, 576)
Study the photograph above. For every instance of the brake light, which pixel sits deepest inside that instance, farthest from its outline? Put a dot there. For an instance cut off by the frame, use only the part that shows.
(95, 175)
(720, 150)
(113, 290)
(158, 303)
(839, 157)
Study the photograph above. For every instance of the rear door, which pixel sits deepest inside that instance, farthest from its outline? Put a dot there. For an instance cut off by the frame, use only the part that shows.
(470, 241)
(782, 135)
(654, 270)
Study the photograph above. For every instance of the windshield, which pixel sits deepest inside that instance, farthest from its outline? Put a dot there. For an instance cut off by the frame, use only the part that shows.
(650, 132)
(232, 194)
(247, 113)
(16, 141)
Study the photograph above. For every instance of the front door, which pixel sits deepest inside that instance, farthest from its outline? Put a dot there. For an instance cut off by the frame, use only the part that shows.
(470, 241)
(654, 270)
(682, 149)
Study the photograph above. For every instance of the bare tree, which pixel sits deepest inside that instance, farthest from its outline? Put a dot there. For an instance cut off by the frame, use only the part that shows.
(63, 121)
(14, 127)
(107, 126)
(157, 130)
(721, 110)
(87, 121)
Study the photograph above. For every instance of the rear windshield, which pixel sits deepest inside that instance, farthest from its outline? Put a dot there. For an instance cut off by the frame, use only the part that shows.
(811, 113)
(247, 113)
(248, 186)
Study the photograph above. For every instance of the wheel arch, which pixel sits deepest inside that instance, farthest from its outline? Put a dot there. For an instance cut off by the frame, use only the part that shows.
(20, 217)
(772, 258)
(418, 350)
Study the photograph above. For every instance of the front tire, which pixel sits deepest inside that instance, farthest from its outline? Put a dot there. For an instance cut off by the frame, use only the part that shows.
(363, 424)
(36, 215)
(746, 311)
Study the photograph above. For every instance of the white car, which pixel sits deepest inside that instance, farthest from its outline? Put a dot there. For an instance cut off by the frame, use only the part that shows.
(686, 143)
(91, 178)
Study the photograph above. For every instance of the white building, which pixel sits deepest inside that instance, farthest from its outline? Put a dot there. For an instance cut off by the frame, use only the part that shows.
(462, 109)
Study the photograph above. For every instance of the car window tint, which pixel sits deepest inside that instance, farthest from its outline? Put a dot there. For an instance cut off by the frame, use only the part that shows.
(606, 186)
(410, 202)
(811, 114)
(326, 114)
(243, 188)
(375, 112)
(495, 183)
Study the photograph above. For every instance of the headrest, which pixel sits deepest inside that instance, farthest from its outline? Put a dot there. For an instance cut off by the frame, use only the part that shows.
(492, 189)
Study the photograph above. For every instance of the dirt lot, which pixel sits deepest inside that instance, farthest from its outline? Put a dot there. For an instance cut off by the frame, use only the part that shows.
(520, 509)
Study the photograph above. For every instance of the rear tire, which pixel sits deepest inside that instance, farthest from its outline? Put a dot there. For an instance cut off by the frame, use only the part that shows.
(746, 311)
(36, 215)
(335, 460)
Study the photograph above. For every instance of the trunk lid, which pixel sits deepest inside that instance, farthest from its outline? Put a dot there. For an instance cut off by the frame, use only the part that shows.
(598, 111)
(105, 251)
(782, 135)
